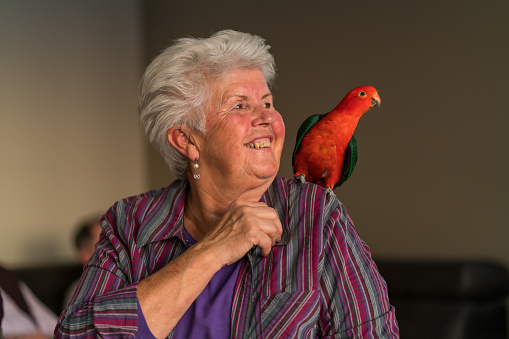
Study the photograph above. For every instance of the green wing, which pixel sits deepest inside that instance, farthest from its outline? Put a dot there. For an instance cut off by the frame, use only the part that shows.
(303, 130)
(349, 162)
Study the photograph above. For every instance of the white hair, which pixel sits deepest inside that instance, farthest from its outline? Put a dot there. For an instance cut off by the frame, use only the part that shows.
(175, 88)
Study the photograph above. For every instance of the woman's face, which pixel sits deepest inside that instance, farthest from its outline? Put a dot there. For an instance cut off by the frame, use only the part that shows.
(245, 134)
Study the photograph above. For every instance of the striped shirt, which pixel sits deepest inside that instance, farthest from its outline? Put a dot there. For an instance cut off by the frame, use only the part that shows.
(318, 281)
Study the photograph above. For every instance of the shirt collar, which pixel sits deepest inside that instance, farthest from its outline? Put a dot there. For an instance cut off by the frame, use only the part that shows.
(165, 216)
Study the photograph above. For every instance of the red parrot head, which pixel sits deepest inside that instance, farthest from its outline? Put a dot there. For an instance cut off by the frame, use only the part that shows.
(359, 100)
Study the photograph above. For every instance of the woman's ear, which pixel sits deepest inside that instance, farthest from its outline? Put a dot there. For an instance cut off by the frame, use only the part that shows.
(179, 139)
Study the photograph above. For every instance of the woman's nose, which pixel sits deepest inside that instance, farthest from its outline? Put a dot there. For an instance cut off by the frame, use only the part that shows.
(264, 116)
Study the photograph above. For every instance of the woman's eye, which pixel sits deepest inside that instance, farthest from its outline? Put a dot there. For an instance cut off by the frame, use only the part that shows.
(267, 105)
(239, 106)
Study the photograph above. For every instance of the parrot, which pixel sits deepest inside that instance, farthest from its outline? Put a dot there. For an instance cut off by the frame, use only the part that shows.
(325, 150)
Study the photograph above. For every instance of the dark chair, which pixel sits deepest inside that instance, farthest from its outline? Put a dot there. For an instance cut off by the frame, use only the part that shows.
(448, 300)
(49, 283)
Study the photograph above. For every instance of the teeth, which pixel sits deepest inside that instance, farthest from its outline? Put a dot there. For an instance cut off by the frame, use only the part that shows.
(261, 144)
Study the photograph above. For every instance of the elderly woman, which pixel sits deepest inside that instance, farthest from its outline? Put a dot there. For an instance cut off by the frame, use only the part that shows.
(229, 249)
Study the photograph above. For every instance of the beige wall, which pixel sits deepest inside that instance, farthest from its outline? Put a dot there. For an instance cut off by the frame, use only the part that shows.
(431, 180)
(431, 177)
(70, 144)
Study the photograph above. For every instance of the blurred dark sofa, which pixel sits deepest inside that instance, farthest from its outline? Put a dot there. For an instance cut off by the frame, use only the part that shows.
(433, 300)
(448, 300)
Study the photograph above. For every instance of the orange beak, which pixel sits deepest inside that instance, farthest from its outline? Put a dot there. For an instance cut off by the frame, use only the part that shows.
(375, 100)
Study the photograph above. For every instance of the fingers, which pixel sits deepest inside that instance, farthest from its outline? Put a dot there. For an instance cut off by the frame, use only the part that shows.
(265, 244)
(262, 221)
(244, 225)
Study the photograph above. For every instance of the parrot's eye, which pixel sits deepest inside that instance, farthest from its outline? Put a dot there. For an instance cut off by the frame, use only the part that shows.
(362, 94)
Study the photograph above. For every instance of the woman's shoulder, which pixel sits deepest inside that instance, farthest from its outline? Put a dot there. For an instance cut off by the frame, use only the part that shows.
(294, 199)
(152, 196)
(295, 191)
(306, 209)
(134, 210)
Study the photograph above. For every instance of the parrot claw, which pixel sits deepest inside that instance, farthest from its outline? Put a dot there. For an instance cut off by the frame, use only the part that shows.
(331, 191)
(301, 178)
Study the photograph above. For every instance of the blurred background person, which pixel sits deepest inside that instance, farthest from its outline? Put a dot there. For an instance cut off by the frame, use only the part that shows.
(86, 236)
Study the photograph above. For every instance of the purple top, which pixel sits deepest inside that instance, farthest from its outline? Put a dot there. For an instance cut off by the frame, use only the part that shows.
(210, 314)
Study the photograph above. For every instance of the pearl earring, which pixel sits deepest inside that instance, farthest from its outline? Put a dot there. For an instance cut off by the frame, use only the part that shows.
(195, 166)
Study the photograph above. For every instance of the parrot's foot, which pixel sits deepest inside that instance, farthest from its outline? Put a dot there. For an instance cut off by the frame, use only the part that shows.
(301, 178)
(331, 191)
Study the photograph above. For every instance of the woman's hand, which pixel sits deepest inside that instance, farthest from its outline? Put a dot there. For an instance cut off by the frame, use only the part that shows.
(30, 336)
(244, 225)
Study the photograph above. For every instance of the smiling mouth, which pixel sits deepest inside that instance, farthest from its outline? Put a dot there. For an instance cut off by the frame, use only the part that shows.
(260, 144)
